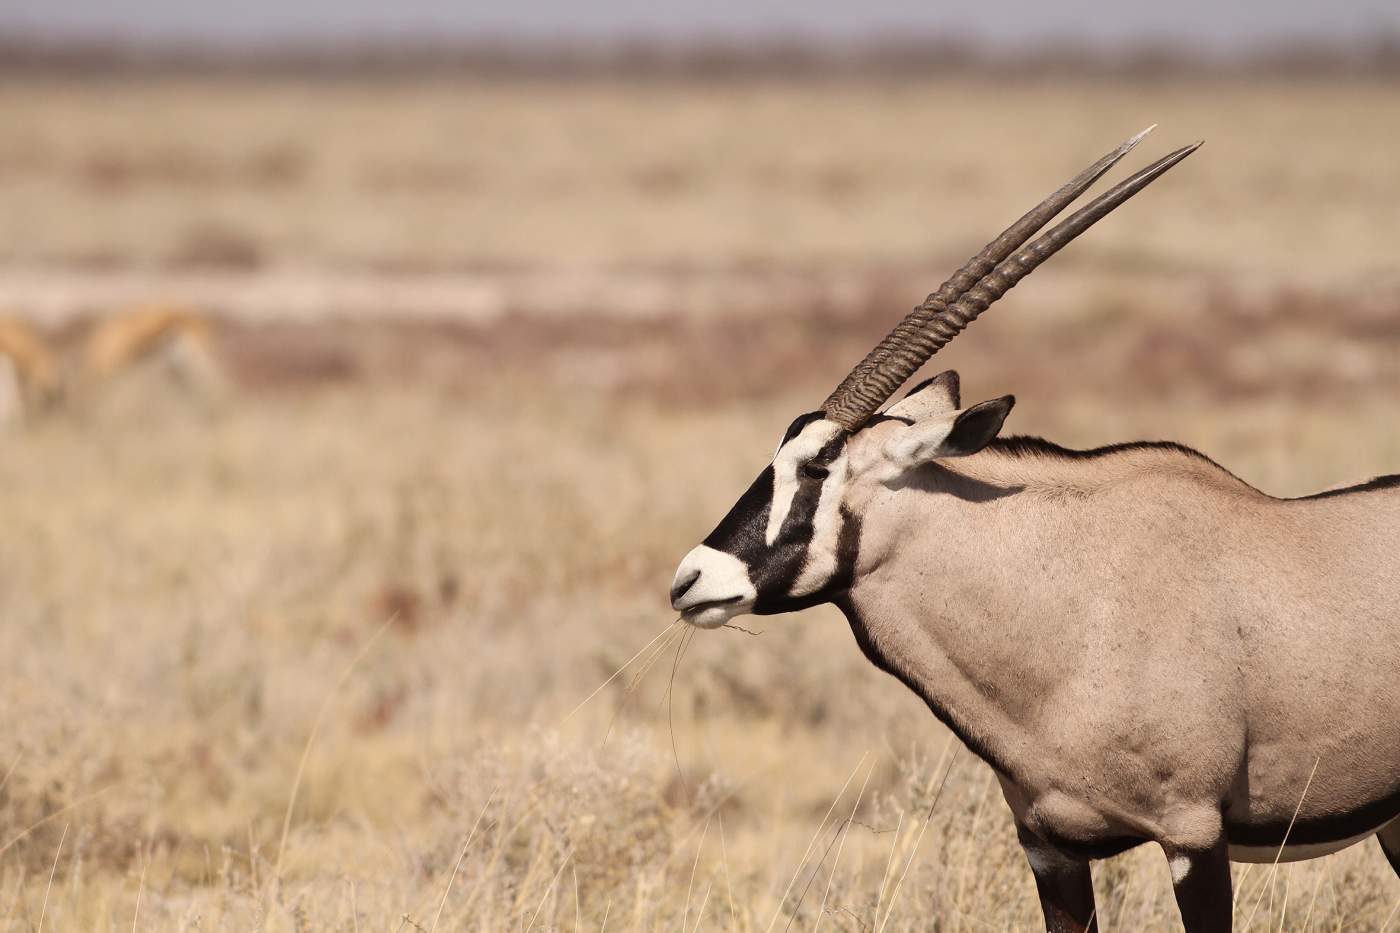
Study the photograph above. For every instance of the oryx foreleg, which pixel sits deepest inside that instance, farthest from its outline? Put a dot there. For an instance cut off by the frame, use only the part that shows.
(1065, 885)
(1201, 878)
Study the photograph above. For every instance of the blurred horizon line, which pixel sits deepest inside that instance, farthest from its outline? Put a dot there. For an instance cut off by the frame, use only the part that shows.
(706, 57)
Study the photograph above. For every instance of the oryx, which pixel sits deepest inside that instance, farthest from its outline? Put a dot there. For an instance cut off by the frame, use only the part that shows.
(1142, 646)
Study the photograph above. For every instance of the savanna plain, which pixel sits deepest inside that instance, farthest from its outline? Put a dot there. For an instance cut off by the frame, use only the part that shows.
(335, 649)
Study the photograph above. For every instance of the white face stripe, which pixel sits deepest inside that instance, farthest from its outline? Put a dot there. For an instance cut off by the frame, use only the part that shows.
(826, 531)
(790, 456)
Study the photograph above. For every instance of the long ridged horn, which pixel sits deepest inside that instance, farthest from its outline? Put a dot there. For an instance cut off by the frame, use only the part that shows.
(960, 300)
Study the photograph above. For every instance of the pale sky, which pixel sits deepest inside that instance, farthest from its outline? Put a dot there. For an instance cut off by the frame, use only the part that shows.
(1211, 24)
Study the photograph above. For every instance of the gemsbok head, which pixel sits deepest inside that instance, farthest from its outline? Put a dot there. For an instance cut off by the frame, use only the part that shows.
(1142, 646)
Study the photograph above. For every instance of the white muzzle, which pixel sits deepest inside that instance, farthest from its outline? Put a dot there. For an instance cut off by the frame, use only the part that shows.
(711, 587)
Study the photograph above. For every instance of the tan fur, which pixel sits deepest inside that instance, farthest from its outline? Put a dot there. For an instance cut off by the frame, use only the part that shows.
(1139, 639)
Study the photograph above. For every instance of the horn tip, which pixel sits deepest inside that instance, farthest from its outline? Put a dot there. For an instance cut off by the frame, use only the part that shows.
(1128, 146)
(1185, 151)
(1172, 158)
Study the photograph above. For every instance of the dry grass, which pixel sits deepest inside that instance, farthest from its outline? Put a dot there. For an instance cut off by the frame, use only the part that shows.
(399, 557)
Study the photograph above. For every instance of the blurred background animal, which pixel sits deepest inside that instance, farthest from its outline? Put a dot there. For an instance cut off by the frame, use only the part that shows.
(175, 344)
(30, 378)
(164, 355)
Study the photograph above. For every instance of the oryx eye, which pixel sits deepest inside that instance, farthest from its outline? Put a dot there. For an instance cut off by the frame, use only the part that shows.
(815, 471)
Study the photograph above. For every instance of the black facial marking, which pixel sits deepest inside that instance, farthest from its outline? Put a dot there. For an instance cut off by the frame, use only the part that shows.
(781, 563)
(830, 450)
(842, 578)
(774, 569)
(741, 531)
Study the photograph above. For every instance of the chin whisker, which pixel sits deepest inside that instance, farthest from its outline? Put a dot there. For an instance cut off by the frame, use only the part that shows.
(673, 632)
(686, 639)
(617, 673)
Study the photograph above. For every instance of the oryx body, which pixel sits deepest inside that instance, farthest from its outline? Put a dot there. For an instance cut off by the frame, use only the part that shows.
(1143, 647)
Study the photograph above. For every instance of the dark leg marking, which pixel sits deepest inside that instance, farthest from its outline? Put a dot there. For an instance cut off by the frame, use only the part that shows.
(1203, 888)
(1065, 885)
(1389, 838)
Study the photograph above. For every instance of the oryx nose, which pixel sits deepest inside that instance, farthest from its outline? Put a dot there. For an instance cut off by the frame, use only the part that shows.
(682, 586)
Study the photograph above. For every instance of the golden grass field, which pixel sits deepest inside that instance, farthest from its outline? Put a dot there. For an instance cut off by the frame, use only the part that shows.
(314, 655)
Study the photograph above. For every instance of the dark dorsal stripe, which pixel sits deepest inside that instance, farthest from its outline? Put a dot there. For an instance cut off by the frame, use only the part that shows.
(1023, 446)
(1371, 485)
(1020, 446)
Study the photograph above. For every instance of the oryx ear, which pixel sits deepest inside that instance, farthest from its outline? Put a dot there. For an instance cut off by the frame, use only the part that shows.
(935, 396)
(950, 435)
